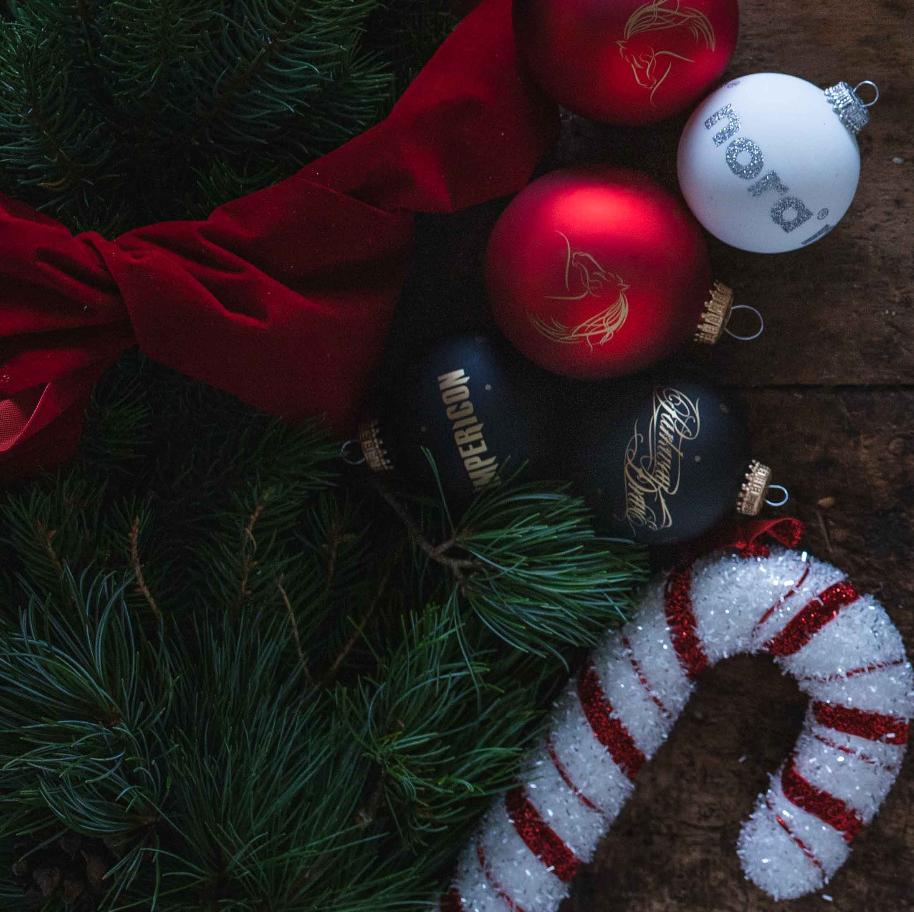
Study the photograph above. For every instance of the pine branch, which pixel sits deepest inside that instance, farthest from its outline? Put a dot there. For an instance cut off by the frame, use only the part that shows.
(440, 553)
(337, 682)
(122, 112)
(138, 570)
(359, 628)
(76, 703)
(547, 577)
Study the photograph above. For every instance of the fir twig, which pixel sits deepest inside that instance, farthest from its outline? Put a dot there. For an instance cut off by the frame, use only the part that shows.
(359, 629)
(296, 636)
(458, 566)
(336, 538)
(140, 579)
(248, 562)
(131, 111)
(223, 764)
(48, 536)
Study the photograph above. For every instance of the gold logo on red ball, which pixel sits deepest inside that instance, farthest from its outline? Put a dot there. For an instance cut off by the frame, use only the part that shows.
(585, 278)
(650, 66)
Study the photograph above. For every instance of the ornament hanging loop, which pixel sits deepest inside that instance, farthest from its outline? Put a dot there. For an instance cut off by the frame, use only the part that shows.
(785, 496)
(351, 453)
(873, 86)
(749, 338)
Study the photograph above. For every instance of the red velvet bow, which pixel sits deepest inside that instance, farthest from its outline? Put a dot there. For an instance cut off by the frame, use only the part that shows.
(282, 297)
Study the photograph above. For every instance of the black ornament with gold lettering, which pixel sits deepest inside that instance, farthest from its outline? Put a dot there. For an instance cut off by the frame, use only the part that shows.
(662, 461)
(479, 410)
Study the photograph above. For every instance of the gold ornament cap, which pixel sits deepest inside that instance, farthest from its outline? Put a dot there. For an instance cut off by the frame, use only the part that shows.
(715, 315)
(376, 456)
(754, 489)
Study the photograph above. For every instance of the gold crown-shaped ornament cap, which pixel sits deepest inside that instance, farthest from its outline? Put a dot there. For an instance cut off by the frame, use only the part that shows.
(754, 488)
(376, 456)
(715, 315)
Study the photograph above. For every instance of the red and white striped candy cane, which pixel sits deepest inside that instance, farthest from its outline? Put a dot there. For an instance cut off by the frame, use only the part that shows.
(839, 644)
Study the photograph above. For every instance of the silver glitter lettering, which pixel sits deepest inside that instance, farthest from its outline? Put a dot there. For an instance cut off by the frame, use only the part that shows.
(801, 213)
(770, 181)
(729, 130)
(753, 168)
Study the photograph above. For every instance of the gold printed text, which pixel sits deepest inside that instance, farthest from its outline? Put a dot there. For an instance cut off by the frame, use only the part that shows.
(653, 458)
(467, 430)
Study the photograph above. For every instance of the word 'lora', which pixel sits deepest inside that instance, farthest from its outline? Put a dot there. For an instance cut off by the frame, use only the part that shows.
(467, 430)
(745, 160)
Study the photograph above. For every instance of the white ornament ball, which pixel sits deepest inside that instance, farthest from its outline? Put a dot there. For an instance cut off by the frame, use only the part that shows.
(770, 163)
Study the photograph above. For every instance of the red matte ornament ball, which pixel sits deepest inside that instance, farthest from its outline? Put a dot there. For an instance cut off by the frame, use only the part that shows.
(626, 61)
(597, 272)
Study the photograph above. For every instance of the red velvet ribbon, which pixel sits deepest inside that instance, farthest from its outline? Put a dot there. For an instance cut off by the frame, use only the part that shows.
(282, 297)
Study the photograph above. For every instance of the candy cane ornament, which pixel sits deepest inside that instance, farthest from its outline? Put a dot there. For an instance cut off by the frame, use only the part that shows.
(840, 646)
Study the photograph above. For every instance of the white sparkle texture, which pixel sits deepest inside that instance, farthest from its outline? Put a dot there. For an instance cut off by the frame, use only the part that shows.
(838, 643)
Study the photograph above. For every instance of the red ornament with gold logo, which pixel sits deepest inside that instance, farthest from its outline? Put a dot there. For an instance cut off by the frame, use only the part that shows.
(626, 61)
(598, 272)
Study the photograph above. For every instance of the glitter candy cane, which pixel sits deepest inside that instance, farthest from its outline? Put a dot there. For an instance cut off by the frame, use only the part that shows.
(839, 645)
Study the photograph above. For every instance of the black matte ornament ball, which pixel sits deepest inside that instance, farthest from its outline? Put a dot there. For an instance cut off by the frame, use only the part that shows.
(479, 410)
(659, 462)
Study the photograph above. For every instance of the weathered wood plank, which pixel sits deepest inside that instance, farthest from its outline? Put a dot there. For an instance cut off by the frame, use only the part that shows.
(839, 314)
(672, 848)
(840, 311)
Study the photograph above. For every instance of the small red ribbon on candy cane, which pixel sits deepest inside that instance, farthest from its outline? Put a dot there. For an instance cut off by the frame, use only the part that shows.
(284, 296)
(751, 538)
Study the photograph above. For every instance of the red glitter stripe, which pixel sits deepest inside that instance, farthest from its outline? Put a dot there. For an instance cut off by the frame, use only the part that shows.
(609, 730)
(811, 618)
(790, 592)
(680, 617)
(870, 725)
(805, 849)
(854, 672)
(539, 837)
(451, 901)
(566, 778)
(497, 888)
(636, 667)
(810, 798)
(873, 761)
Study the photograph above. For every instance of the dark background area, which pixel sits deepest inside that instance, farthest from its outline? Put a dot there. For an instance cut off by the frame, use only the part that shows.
(829, 391)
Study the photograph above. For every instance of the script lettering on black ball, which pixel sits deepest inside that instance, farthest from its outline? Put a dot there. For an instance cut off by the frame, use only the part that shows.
(653, 458)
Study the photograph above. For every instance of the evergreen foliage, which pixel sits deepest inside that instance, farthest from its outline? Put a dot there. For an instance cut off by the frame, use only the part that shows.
(116, 113)
(242, 675)
(237, 675)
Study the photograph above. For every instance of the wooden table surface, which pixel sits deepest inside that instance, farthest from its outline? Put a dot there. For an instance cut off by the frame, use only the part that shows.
(830, 394)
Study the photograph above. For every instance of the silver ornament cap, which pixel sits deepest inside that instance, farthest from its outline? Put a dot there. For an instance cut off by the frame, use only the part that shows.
(849, 106)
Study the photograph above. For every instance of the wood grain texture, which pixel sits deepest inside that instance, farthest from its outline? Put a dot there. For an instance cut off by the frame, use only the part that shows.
(830, 394)
(828, 391)
(673, 847)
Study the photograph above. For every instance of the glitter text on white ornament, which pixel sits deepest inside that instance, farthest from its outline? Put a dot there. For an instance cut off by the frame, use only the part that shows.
(789, 212)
